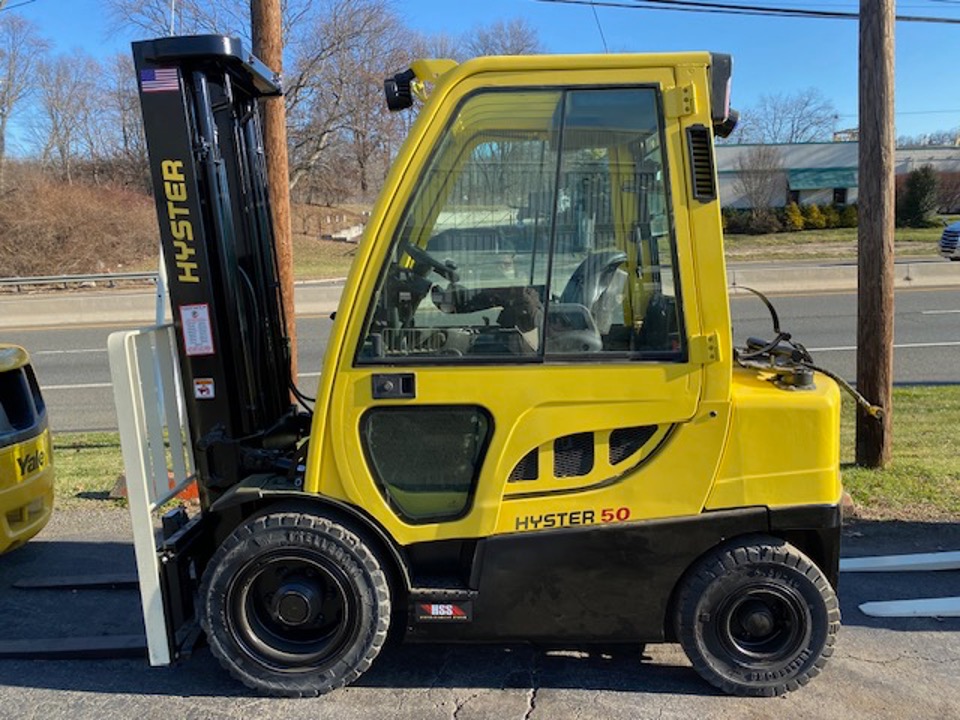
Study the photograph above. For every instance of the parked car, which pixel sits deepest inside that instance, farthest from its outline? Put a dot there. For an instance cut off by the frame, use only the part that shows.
(950, 241)
(26, 460)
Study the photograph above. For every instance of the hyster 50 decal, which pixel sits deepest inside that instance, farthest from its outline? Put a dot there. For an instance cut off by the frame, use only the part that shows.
(175, 191)
(574, 517)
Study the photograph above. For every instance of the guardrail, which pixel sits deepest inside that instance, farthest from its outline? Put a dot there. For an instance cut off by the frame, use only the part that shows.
(109, 279)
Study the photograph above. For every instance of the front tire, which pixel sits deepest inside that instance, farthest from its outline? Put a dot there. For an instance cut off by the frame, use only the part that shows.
(757, 618)
(295, 605)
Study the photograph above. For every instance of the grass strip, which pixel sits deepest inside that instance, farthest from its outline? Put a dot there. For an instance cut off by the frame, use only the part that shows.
(923, 481)
(87, 467)
(825, 244)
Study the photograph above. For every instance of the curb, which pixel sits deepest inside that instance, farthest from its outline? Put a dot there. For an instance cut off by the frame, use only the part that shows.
(127, 307)
(807, 278)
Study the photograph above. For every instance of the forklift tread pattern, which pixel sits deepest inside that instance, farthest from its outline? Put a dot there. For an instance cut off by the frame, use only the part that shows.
(323, 577)
(757, 617)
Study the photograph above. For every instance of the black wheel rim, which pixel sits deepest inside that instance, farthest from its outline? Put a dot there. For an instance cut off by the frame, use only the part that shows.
(763, 626)
(292, 610)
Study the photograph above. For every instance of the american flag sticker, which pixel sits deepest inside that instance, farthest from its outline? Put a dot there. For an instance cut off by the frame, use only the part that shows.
(159, 80)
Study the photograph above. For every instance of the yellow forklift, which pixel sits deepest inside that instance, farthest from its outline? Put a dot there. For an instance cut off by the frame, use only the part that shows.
(531, 425)
(26, 458)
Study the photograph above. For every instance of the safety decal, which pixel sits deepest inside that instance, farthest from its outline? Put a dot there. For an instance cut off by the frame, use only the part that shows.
(203, 389)
(197, 332)
(445, 612)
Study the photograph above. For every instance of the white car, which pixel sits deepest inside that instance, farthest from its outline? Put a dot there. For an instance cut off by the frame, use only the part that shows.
(950, 241)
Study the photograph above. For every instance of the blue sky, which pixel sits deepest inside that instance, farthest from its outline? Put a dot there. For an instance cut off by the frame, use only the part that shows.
(770, 54)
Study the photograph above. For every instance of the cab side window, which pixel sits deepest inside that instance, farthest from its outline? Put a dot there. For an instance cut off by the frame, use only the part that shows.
(540, 230)
(613, 284)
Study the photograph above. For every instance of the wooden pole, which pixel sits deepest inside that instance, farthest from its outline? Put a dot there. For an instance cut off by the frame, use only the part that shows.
(266, 22)
(875, 236)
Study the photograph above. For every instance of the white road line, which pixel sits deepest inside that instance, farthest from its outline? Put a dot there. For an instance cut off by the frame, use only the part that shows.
(82, 386)
(900, 346)
(67, 352)
(940, 312)
(96, 386)
(839, 348)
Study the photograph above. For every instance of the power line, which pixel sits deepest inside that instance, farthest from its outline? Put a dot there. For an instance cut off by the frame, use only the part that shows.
(599, 27)
(4, 6)
(751, 10)
(748, 9)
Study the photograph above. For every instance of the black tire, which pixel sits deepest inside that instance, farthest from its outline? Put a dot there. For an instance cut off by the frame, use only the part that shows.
(757, 617)
(295, 605)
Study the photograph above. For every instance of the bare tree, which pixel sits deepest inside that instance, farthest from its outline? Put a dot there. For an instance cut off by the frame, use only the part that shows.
(938, 137)
(230, 17)
(440, 45)
(760, 178)
(503, 37)
(806, 116)
(949, 192)
(191, 16)
(67, 101)
(21, 49)
(341, 136)
(335, 95)
(110, 135)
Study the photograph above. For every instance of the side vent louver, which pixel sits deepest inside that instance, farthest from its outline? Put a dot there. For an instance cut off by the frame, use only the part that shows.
(701, 163)
(573, 455)
(626, 441)
(527, 469)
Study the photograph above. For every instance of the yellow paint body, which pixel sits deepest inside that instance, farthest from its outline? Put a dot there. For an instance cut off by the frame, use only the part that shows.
(26, 470)
(725, 437)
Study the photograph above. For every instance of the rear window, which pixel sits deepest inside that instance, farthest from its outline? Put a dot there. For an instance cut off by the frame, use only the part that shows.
(21, 405)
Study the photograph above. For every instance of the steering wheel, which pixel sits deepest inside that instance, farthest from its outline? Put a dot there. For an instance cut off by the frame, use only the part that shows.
(422, 257)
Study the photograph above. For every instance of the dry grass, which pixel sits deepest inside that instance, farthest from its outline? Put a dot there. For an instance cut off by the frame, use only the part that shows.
(54, 228)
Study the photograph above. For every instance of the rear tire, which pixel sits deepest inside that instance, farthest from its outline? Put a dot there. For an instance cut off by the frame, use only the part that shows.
(295, 605)
(757, 618)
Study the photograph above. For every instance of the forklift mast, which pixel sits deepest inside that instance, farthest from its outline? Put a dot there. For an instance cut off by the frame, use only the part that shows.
(199, 97)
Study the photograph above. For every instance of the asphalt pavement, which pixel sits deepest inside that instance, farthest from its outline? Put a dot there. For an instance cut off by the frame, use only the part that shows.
(882, 668)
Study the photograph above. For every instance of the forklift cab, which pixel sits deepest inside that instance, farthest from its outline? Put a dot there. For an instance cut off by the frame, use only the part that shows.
(556, 380)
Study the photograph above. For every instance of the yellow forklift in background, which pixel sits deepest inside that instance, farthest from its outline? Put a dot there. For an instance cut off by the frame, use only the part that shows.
(26, 457)
(531, 425)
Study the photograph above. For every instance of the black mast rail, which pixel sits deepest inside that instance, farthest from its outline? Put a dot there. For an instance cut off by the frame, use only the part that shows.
(200, 111)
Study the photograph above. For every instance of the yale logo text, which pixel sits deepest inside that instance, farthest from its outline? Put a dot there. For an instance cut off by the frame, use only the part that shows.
(31, 463)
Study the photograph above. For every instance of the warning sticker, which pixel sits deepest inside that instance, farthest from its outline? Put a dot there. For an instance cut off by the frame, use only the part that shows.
(197, 333)
(203, 389)
(445, 612)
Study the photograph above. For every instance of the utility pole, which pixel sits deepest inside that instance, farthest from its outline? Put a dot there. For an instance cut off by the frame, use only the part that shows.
(265, 19)
(875, 235)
